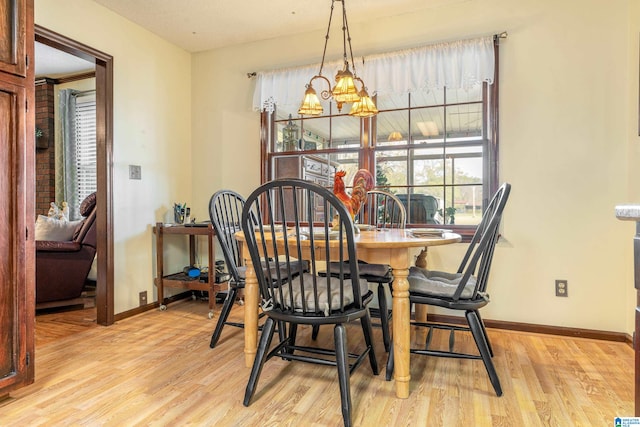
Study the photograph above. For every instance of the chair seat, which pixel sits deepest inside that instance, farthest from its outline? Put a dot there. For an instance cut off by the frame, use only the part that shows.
(325, 302)
(371, 272)
(295, 267)
(438, 283)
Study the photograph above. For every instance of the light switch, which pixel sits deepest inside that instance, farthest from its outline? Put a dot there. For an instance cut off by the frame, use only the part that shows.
(135, 172)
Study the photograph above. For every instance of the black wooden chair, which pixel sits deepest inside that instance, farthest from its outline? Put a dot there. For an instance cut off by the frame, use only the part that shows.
(381, 210)
(294, 297)
(225, 211)
(465, 290)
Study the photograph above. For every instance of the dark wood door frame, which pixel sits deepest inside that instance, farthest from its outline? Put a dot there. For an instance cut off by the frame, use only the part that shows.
(104, 152)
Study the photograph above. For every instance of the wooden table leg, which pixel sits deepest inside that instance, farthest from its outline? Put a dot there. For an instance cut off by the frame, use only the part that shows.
(250, 315)
(401, 332)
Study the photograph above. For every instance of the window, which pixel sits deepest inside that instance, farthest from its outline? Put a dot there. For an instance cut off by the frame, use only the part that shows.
(85, 140)
(76, 154)
(435, 148)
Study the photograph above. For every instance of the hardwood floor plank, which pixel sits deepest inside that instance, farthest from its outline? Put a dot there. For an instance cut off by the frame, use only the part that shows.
(157, 369)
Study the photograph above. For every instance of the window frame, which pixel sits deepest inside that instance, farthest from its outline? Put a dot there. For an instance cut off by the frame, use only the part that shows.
(367, 147)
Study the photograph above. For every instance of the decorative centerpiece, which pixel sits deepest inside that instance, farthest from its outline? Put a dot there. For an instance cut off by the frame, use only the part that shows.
(363, 181)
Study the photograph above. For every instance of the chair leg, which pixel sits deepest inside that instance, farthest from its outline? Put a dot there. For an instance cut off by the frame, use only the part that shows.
(224, 315)
(261, 356)
(484, 332)
(340, 338)
(314, 332)
(282, 330)
(483, 347)
(293, 332)
(389, 373)
(368, 338)
(384, 315)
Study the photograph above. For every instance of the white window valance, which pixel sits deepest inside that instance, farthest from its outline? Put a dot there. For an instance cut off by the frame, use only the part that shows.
(460, 64)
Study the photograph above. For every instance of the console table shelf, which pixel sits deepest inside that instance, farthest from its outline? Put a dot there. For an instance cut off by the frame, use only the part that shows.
(180, 280)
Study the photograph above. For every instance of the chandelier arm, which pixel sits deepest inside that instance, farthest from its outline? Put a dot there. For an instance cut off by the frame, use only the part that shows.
(325, 94)
(363, 87)
(326, 37)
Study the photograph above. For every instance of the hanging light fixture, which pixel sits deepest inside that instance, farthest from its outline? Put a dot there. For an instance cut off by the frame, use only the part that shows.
(395, 136)
(345, 90)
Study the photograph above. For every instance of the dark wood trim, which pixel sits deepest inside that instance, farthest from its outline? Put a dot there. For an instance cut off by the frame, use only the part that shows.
(539, 329)
(76, 77)
(155, 305)
(104, 141)
(494, 98)
(266, 129)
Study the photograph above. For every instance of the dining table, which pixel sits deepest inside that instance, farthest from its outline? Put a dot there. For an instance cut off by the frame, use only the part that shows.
(394, 247)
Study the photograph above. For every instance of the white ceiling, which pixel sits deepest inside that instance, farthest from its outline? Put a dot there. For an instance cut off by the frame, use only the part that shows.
(197, 25)
(54, 63)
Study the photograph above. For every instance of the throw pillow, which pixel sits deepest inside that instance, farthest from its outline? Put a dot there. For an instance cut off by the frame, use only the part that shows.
(55, 229)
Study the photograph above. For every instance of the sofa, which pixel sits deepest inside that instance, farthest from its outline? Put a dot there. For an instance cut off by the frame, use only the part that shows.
(62, 266)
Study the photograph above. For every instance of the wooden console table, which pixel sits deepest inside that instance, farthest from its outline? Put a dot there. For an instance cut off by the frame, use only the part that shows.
(180, 279)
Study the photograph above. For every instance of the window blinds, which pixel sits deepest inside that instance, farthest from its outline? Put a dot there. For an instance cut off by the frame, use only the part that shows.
(85, 131)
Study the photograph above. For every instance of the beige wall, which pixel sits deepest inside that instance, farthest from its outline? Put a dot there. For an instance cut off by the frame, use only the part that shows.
(569, 97)
(566, 111)
(152, 128)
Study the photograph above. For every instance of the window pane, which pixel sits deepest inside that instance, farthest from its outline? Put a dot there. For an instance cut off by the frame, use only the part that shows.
(345, 132)
(391, 168)
(85, 156)
(427, 124)
(392, 101)
(456, 96)
(464, 121)
(347, 162)
(315, 132)
(468, 204)
(429, 97)
(428, 172)
(288, 135)
(392, 128)
(463, 165)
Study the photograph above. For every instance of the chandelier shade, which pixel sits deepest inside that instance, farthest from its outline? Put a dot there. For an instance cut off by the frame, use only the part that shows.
(311, 104)
(365, 107)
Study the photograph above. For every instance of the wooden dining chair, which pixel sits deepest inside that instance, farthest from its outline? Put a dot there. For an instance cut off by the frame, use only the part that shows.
(225, 211)
(381, 210)
(465, 290)
(293, 297)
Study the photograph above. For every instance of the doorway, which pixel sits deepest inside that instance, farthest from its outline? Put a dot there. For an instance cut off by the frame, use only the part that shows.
(104, 155)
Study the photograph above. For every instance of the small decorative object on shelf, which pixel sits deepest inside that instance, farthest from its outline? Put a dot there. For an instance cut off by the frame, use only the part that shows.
(290, 136)
(363, 181)
(181, 213)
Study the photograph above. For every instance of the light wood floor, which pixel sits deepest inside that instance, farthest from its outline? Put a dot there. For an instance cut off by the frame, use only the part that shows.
(157, 369)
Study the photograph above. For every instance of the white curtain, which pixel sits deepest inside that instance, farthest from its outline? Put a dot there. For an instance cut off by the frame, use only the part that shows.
(66, 172)
(460, 64)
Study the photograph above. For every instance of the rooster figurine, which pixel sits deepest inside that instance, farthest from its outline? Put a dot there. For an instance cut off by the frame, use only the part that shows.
(363, 181)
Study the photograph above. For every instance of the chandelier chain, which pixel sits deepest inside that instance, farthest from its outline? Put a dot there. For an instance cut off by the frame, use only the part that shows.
(326, 37)
(346, 36)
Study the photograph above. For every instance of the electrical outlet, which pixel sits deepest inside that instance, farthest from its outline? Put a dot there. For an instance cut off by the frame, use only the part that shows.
(135, 172)
(143, 298)
(562, 288)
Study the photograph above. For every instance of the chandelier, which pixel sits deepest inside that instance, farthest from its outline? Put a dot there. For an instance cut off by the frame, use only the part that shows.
(344, 90)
